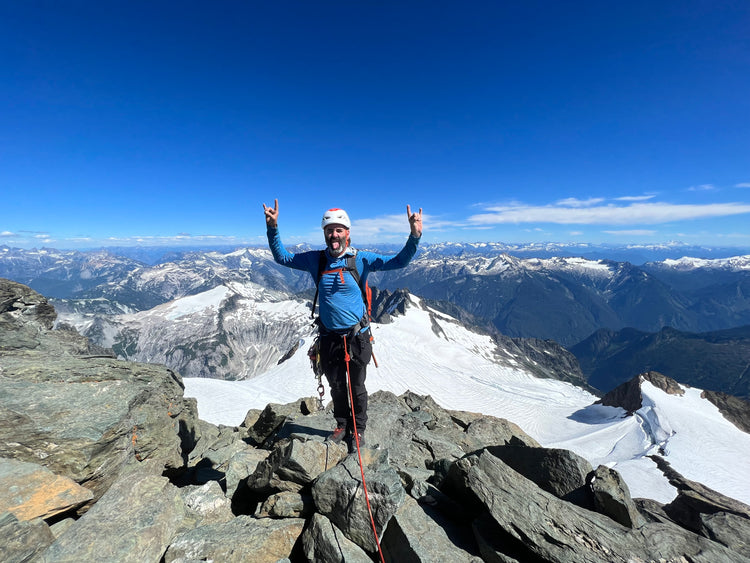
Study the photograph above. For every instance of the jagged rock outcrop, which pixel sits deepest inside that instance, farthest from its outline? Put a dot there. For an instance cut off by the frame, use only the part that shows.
(707, 512)
(520, 520)
(442, 485)
(734, 409)
(75, 409)
(26, 320)
(628, 396)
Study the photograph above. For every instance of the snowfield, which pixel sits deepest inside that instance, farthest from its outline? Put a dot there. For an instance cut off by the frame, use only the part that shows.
(430, 354)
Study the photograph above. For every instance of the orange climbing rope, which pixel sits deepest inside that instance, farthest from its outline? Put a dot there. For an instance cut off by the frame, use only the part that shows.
(359, 454)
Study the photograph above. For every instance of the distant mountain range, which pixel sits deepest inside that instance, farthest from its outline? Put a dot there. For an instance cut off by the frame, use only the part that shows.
(717, 361)
(633, 253)
(567, 299)
(228, 314)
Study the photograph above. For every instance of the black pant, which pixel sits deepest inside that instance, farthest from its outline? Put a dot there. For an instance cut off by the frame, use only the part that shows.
(333, 360)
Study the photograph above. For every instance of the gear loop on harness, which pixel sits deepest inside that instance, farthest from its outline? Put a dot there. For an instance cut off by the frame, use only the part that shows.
(321, 392)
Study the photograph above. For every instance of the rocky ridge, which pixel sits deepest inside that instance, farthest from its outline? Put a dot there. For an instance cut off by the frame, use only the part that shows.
(102, 459)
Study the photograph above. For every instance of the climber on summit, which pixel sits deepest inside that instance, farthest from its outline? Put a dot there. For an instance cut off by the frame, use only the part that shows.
(344, 324)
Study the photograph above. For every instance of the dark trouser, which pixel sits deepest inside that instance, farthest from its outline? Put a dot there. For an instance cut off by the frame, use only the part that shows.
(334, 365)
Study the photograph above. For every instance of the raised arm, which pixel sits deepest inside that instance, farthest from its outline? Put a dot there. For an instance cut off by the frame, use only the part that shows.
(307, 261)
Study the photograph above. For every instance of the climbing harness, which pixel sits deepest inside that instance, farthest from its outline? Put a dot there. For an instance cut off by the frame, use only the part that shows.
(359, 453)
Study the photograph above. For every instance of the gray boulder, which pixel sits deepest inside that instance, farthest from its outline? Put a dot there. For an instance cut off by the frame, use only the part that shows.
(243, 539)
(293, 464)
(264, 426)
(206, 504)
(323, 542)
(287, 505)
(23, 540)
(529, 524)
(707, 512)
(415, 535)
(215, 447)
(31, 491)
(80, 414)
(339, 494)
(612, 497)
(129, 413)
(135, 520)
(240, 466)
(728, 529)
(560, 472)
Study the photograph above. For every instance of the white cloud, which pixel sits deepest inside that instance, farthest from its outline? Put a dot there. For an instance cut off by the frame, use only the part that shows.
(742, 185)
(7, 234)
(702, 188)
(395, 226)
(634, 214)
(575, 202)
(632, 232)
(635, 198)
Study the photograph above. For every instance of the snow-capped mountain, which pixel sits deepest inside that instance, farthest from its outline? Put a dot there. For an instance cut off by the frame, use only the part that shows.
(147, 286)
(231, 331)
(633, 253)
(564, 299)
(732, 264)
(60, 273)
(429, 353)
(560, 298)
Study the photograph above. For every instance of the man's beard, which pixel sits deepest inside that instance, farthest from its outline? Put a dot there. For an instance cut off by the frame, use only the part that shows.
(336, 246)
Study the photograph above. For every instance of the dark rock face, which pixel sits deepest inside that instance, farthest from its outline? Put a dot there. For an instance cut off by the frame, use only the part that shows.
(734, 409)
(560, 472)
(716, 361)
(521, 521)
(116, 466)
(628, 396)
(707, 512)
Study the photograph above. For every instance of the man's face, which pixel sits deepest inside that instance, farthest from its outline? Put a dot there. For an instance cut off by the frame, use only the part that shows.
(336, 237)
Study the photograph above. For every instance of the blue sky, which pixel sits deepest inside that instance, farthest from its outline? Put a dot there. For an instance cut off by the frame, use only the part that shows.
(133, 122)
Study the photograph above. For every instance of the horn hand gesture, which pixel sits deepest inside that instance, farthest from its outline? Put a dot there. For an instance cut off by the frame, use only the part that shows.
(272, 214)
(415, 221)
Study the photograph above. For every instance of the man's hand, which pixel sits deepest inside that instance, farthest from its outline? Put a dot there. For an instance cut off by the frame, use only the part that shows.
(272, 214)
(415, 221)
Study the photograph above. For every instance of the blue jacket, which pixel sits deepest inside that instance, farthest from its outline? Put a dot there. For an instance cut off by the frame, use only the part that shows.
(341, 304)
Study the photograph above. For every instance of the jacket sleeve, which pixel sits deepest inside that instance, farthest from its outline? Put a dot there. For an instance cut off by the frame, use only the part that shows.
(378, 262)
(307, 261)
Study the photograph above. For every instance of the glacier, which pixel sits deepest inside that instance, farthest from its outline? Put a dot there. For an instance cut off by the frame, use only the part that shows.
(463, 370)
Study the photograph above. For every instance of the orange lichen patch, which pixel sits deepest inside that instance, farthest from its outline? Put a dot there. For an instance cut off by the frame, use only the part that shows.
(134, 440)
(35, 492)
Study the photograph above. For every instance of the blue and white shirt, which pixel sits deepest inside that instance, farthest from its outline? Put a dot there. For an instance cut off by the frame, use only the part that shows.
(341, 303)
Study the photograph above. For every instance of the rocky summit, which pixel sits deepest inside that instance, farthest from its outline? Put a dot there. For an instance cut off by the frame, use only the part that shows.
(105, 460)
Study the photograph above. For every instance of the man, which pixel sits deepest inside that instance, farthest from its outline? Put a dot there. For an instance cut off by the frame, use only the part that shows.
(344, 323)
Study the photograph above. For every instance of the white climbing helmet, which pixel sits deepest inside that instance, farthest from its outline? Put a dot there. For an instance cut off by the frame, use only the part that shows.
(335, 216)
